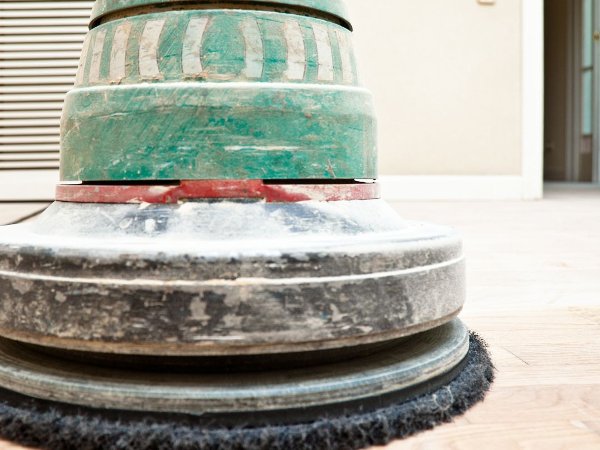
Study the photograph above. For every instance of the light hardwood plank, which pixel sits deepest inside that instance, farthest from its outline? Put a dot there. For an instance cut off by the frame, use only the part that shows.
(13, 212)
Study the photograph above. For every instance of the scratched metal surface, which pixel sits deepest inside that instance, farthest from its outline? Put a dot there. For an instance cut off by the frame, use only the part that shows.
(196, 279)
(420, 359)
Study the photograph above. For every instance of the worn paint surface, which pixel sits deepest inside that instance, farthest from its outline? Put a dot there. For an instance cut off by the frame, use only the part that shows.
(333, 7)
(220, 45)
(219, 94)
(233, 131)
(216, 189)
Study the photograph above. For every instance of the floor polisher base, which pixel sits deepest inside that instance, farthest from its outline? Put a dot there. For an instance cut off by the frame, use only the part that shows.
(58, 426)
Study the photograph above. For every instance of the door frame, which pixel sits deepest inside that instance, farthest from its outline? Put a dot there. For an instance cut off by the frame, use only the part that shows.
(532, 99)
(596, 98)
(574, 87)
(573, 91)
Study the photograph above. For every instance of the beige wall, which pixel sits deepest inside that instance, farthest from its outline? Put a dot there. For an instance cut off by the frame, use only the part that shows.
(446, 75)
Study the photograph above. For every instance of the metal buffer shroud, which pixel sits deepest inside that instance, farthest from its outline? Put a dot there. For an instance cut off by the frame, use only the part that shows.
(218, 214)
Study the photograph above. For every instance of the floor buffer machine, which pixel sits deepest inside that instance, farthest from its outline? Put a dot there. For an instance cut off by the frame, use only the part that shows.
(218, 270)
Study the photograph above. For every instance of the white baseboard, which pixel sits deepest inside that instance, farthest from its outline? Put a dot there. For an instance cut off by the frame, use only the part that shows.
(454, 188)
(28, 185)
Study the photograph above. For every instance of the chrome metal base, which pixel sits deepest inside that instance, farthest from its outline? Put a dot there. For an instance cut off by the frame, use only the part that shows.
(225, 278)
(416, 365)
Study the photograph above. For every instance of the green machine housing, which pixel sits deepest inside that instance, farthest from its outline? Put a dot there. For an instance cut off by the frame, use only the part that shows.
(190, 92)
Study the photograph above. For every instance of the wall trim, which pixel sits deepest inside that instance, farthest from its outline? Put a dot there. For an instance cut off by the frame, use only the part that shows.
(485, 187)
(27, 185)
(41, 187)
(532, 109)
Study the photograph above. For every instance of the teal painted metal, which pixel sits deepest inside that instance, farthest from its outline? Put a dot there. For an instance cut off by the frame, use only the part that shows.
(220, 46)
(218, 94)
(223, 131)
(336, 8)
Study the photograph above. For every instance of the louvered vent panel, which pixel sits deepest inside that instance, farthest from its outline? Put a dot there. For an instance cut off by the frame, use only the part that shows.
(40, 44)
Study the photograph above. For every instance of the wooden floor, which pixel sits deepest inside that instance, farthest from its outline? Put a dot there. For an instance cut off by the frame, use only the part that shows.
(534, 295)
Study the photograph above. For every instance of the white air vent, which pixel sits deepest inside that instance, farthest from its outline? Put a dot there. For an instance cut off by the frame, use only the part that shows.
(40, 44)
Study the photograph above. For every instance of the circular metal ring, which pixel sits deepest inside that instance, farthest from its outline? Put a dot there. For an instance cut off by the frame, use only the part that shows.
(390, 375)
(225, 278)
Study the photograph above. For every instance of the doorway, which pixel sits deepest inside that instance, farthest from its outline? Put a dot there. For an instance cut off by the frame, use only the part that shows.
(572, 91)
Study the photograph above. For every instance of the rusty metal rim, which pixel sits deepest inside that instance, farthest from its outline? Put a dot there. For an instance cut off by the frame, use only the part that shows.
(215, 190)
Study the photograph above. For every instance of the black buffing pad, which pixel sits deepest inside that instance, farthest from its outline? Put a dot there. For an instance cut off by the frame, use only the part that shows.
(57, 426)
